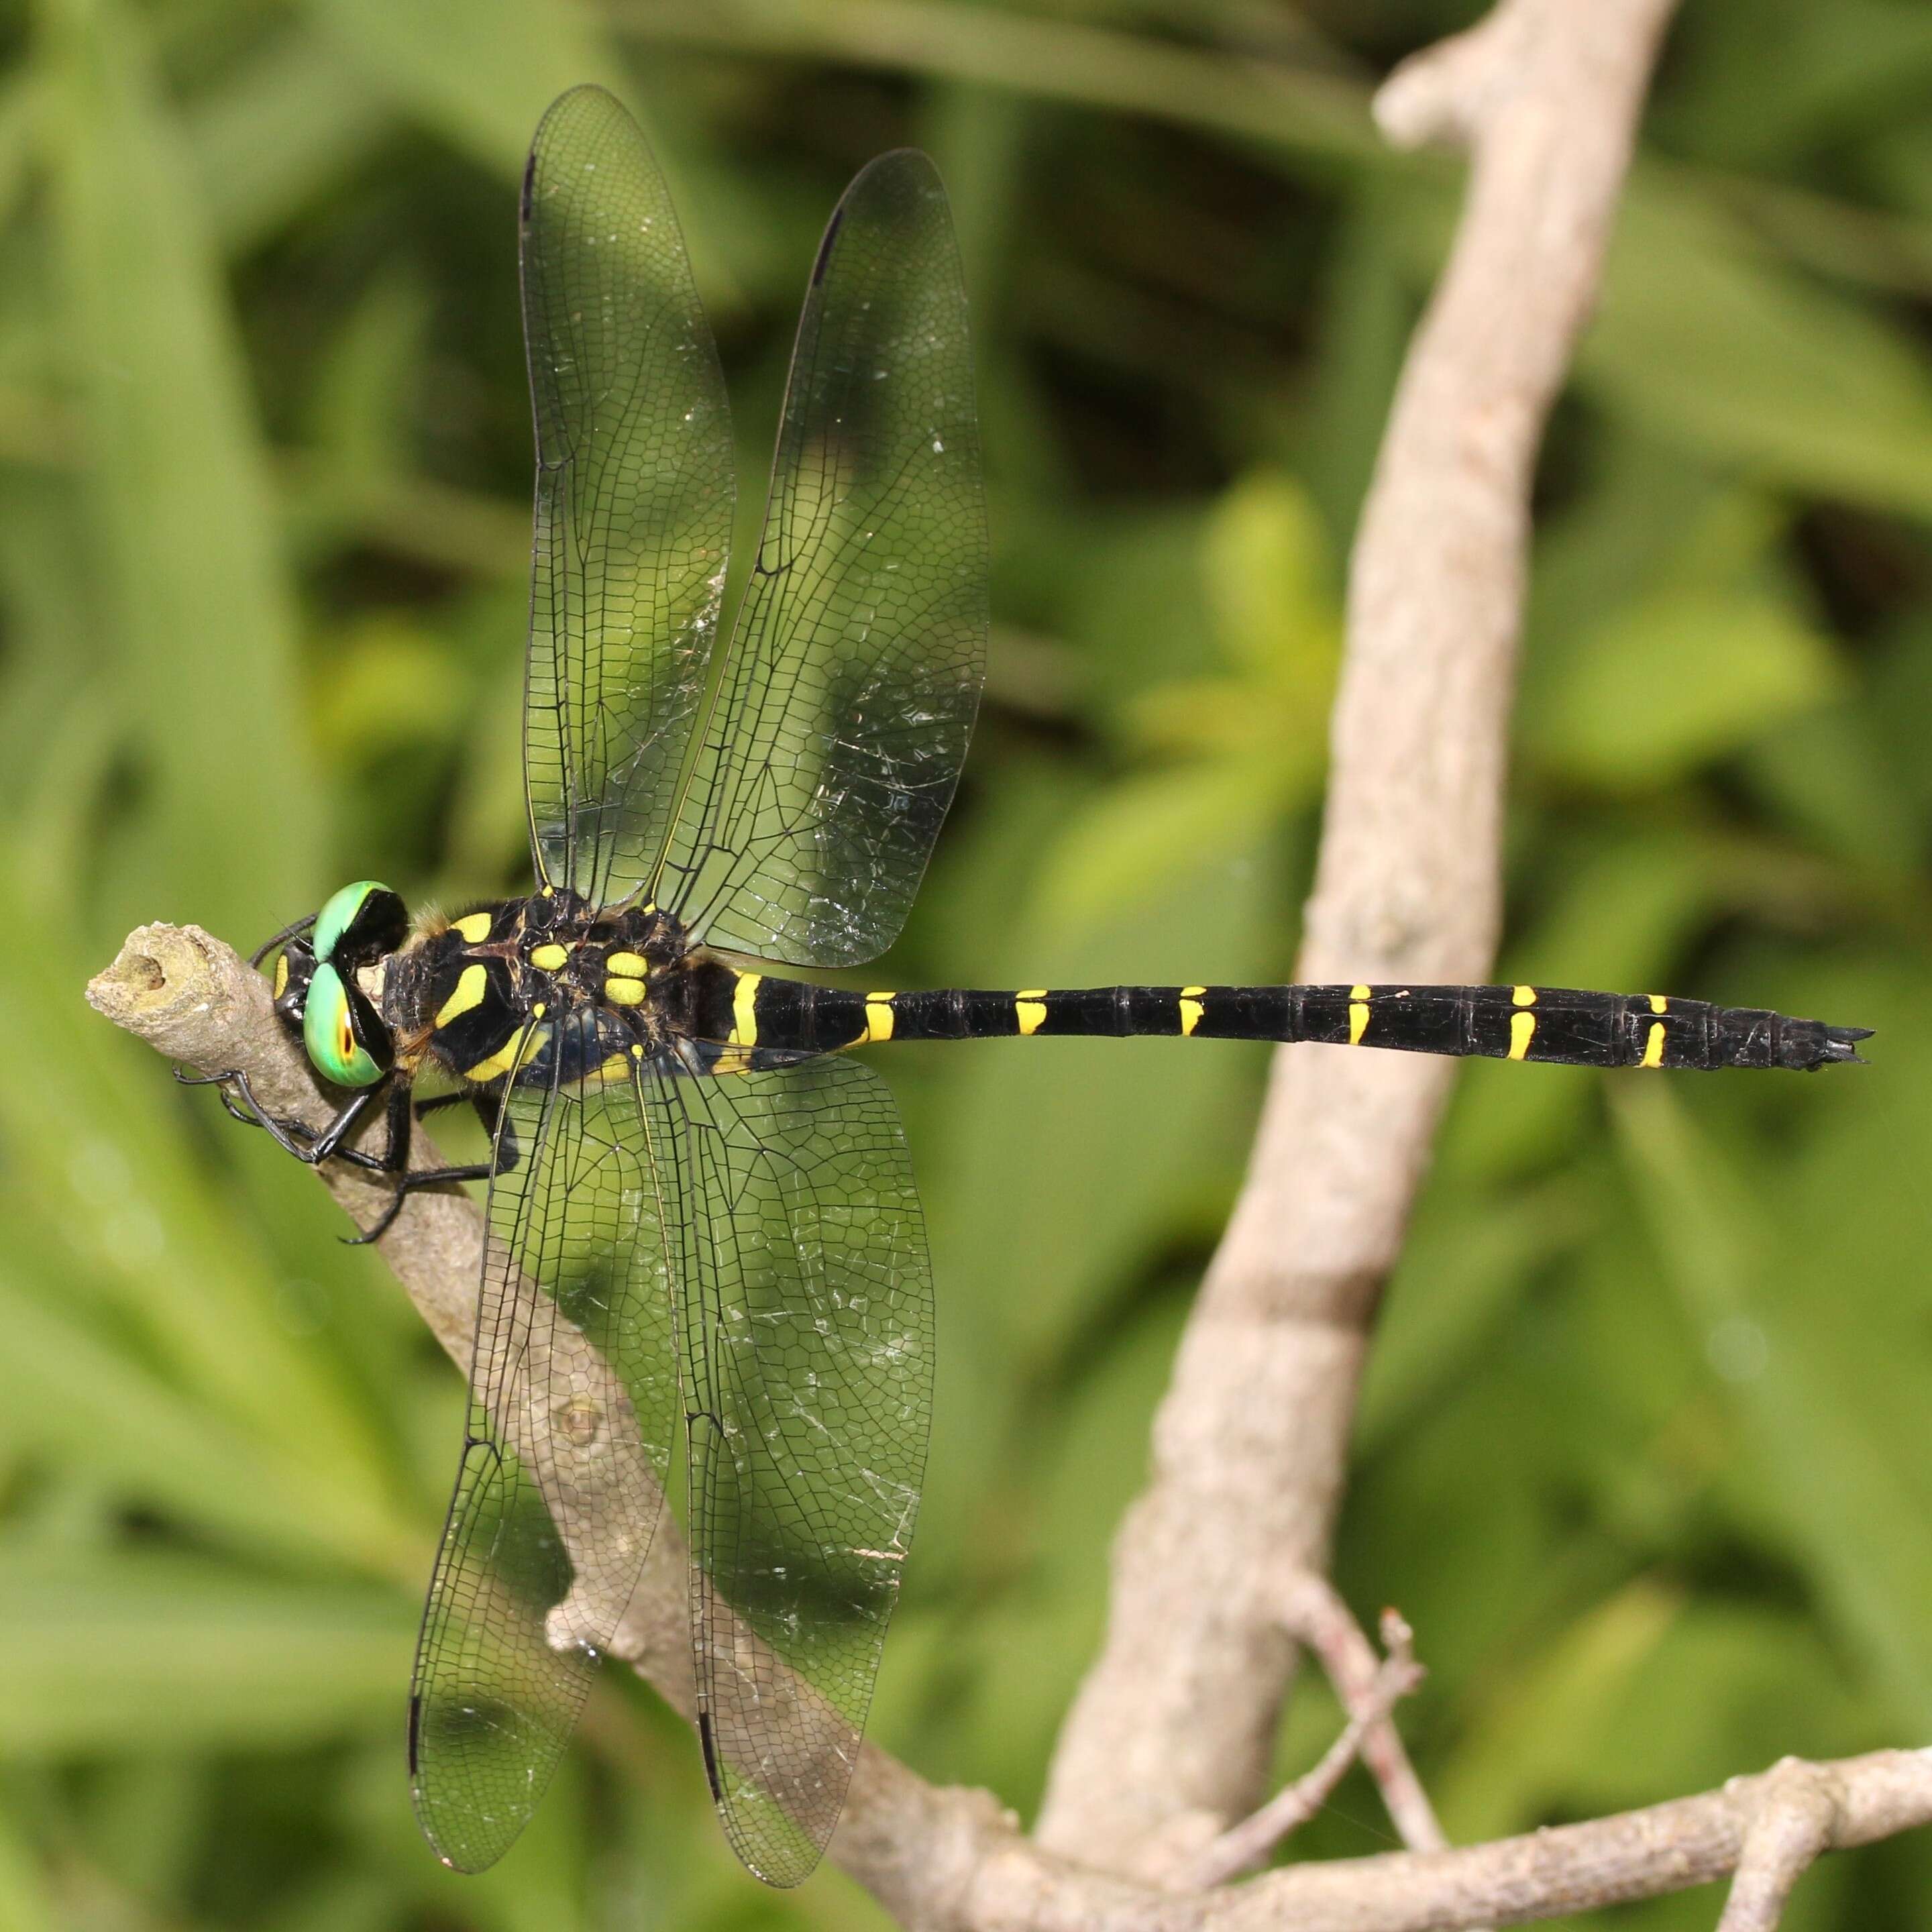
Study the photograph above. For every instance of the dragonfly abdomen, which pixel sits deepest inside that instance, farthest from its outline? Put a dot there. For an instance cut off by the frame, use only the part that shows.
(1557, 1025)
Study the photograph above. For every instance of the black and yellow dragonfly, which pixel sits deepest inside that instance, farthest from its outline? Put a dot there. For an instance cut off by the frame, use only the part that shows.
(702, 1223)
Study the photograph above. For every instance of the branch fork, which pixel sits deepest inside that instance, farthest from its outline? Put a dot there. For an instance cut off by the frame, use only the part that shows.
(1795, 1817)
(1369, 1688)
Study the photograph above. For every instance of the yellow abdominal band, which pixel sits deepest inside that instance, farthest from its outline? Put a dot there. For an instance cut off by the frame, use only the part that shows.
(1653, 1047)
(1522, 1025)
(1358, 1014)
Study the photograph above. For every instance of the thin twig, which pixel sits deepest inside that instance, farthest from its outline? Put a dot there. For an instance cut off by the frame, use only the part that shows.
(1315, 1614)
(1176, 1721)
(1244, 1847)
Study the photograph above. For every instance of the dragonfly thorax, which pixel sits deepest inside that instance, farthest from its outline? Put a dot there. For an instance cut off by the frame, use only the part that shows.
(492, 988)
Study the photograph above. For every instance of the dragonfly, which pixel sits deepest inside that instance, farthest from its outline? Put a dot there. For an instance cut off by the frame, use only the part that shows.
(701, 1225)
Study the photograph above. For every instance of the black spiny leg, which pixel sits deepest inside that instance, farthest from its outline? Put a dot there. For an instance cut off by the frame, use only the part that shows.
(306, 1144)
(404, 1111)
(312, 1147)
(488, 1102)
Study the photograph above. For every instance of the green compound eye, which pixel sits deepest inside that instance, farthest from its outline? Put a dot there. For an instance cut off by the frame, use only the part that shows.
(328, 1032)
(340, 913)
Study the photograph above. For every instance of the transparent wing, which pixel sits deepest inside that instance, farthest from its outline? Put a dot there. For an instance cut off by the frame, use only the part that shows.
(849, 692)
(633, 499)
(806, 1315)
(573, 1404)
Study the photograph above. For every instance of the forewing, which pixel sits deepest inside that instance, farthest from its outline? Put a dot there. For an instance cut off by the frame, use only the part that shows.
(805, 1303)
(633, 499)
(848, 694)
(573, 1405)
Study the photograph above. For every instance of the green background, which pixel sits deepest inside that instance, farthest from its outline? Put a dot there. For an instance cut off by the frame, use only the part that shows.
(1645, 1452)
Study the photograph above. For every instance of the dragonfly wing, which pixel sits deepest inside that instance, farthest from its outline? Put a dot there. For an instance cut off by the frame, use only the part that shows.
(847, 697)
(805, 1311)
(633, 499)
(573, 1406)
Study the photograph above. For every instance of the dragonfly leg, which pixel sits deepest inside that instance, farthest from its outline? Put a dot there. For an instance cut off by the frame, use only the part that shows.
(302, 925)
(309, 1145)
(503, 1133)
(402, 1113)
(312, 1146)
(407, 1184)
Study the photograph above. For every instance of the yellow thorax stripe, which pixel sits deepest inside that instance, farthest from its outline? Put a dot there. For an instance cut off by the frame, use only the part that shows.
(629, 965)
(474, 927)
(745, 1009)
(505, 1056)
(470, 992)
(550, 957)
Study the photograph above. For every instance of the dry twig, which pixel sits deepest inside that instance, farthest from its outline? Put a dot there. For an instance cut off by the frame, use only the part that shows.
(1368, 1703)
(1314, 1614)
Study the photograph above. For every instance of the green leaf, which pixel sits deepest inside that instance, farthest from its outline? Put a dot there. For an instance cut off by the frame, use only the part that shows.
(1715, 345)
(1270, 582)
(1831, 1478)
(391, 685)
(1730, 1686)
(26, 1899)
(114, 1214)
(1368, 307)
(480, 71)
(1769, 81)
(203, 627)
(1145, 834)
(1675, 682)
(1827, 772)
(115, 1653)
(98, 1410)
(1465, 1262)
(21, 104)
(280, 133)
(1527, 1736)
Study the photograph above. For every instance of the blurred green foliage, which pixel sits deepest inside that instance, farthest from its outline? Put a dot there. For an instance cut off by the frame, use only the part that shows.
(1646, 1452)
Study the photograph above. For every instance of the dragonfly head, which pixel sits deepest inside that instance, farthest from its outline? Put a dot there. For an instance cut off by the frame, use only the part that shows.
(317, 992)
